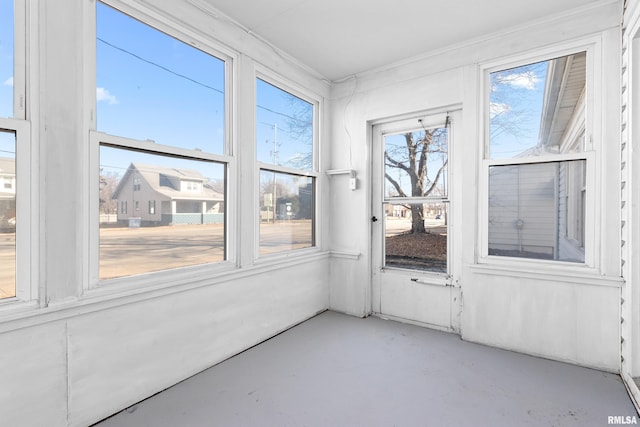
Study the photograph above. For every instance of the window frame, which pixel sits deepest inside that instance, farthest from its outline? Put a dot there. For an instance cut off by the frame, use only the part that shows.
(26, 288)
(97, 139)
(294, 90)
(431, 120)
(590, 154)
(27, 174)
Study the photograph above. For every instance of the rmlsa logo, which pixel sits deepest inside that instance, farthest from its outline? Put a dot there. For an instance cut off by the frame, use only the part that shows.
(621, 419)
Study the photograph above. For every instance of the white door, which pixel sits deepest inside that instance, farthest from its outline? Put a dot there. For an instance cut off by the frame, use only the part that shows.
(412, 266)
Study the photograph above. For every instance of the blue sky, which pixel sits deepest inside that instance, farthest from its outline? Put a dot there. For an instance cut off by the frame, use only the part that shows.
(516, 97)
(6, 58)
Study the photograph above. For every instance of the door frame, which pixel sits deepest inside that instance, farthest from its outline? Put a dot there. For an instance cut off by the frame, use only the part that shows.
(414, 290)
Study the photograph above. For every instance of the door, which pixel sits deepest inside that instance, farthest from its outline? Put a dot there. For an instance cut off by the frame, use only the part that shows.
(411, 231)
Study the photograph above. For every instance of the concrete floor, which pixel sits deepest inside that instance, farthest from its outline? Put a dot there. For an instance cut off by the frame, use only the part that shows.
(337, 370)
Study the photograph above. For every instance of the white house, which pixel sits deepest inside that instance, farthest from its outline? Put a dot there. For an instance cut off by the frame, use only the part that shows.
(160, 195)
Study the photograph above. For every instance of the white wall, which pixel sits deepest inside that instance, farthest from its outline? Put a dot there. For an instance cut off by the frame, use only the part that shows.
(551, 312)
(76, 355)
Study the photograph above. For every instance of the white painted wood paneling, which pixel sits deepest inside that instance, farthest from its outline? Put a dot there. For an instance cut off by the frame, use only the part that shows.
(415, 301)
(562, 321)
(122, 355)
(33, 378)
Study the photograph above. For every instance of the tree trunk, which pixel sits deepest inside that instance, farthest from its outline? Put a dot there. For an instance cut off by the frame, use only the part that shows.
(417, 219)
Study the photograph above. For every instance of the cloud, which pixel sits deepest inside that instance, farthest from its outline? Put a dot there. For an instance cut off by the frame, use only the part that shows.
(495, 109)
(526, 80)
(9, 82)
(103, 94)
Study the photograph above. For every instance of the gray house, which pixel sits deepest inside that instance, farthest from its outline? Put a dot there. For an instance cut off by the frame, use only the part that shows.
(7, 194)
(159, 195)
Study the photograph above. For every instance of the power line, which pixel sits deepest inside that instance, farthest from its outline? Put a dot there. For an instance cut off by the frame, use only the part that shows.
(162, 67)
(283, 114)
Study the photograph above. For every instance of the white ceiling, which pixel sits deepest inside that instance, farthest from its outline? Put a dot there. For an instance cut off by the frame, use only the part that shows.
(339, 38)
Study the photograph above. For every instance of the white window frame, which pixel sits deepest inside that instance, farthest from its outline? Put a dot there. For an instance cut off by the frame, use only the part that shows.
(280, 83)
(590, 154)
(27, 173)
(26, 285)
(430, 120)
(96, 139)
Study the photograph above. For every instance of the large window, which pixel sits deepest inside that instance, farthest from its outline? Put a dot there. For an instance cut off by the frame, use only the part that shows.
(161, 148)
(537, 158)
(285, 132)
(15, 157)
(7, 214)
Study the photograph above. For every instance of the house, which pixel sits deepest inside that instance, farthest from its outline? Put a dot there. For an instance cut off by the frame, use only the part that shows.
(167, 196)
(7, 194)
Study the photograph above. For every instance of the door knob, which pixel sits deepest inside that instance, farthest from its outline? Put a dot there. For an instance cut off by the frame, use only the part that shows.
(374, 219)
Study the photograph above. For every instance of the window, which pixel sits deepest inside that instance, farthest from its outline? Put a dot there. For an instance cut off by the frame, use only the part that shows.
(15, 157)
(416, 199)
(7, 215)
(161, 143)
(537, 158)
(285, 133)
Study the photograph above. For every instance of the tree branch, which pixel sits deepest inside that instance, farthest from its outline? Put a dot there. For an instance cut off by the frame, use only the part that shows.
(436, 179)
(395, 184)
(395, 164)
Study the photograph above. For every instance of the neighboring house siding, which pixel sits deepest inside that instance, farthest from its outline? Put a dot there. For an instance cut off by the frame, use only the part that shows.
(522, 209)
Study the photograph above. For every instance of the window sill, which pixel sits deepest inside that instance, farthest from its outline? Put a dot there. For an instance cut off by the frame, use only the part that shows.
(581, 275)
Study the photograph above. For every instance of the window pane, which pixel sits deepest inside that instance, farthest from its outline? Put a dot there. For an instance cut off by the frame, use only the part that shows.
(286, 212)
(7, 214)
(284, 128)
(538, 108)
(159, 212)
(415, 164)
(6, 58)
(149, 82)
(538, 210)
(420, 251)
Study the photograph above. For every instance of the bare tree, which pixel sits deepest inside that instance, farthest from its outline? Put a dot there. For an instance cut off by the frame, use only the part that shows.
(108, 184)
(414, 160)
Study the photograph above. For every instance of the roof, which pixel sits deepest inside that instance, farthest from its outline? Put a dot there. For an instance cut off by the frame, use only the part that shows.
(152, 176)
(566, 79)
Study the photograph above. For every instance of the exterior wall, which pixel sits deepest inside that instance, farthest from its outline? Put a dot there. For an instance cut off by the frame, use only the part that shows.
(548, 310)
(522, 216)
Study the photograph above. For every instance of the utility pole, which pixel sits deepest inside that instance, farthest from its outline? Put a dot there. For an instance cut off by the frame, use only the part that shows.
(275, 162)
